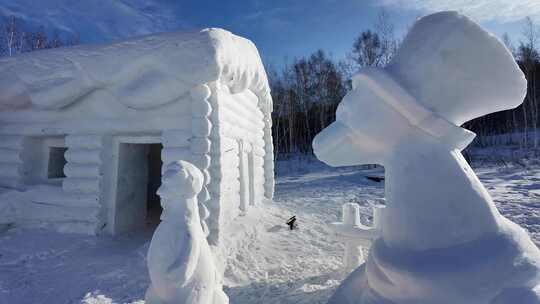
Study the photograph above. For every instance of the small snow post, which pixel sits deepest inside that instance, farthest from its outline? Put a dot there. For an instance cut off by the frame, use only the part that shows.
(355, 235)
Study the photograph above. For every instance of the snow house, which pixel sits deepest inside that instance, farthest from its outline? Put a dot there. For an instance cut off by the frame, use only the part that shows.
(85, 130)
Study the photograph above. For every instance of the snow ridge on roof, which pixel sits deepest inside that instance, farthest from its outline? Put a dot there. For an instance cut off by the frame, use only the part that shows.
(141, 73)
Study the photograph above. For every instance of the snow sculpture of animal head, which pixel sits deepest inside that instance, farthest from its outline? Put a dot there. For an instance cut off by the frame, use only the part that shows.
(447, 71)
(180, 180)
(438, 214)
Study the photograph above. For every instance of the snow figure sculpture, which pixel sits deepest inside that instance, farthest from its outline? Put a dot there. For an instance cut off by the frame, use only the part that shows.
(443, 241)
(180, 263)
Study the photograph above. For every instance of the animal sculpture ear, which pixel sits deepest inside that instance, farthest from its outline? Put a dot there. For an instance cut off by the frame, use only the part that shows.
(184, 266)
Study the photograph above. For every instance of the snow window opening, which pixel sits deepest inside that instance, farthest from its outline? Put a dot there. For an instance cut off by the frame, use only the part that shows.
(57, 162)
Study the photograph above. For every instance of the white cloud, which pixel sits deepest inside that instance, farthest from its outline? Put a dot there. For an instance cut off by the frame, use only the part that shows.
(481, 10)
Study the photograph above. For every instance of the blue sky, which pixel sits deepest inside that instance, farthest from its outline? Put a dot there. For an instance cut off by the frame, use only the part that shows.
(285, 29)
(282, 29)
(290, 30)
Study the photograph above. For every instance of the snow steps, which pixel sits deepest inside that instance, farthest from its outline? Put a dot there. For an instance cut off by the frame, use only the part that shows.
(47, 211)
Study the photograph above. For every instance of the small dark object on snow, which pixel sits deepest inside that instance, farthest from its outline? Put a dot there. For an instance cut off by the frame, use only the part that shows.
(377, 179)
(292, 222)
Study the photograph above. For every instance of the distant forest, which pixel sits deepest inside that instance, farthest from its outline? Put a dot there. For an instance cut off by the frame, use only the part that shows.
(16, 38)
(307, 91)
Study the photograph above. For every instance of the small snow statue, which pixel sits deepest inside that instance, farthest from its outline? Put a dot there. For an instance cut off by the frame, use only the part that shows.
(181, 266)
(442, 239)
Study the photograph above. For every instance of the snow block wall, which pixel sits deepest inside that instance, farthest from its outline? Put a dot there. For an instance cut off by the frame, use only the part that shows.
(77, 135)
(83, 182)
(11, 160)
(237, 155)
(200, 149)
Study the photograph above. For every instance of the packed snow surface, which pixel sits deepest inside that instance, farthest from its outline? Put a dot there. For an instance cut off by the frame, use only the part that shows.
(271, 265)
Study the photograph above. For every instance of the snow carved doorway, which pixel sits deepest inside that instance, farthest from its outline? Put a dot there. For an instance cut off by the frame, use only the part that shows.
(136, 176)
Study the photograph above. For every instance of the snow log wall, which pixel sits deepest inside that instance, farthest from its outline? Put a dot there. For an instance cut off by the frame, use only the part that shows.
(227, 136)
(237, 154)
(84, 171)
(68, 204)
(82, 201)
(11, 160)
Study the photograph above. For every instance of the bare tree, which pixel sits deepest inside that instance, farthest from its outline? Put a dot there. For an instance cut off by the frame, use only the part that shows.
(508, 43)
(529, 57)
(385, 29)
(367, 49)
(16, 38)
(13, 37)
(305, 95)
(375, 48)
(56, 41)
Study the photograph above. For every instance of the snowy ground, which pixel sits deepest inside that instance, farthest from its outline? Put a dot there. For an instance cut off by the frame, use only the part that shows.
(268, 264)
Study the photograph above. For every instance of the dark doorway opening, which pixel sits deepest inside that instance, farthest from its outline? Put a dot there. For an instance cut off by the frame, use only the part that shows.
(139, 177)
(153, 203)
(57, 162)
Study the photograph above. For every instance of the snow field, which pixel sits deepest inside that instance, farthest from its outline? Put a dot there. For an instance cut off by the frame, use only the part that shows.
(270, 264)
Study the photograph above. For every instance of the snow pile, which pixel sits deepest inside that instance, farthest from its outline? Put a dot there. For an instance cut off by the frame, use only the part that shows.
(275, 265)
(443, 240)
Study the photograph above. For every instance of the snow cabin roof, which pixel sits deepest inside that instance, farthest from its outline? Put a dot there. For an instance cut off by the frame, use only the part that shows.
(141, 73)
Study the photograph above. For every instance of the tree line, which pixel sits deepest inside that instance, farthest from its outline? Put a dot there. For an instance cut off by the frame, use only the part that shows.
(307, 91)
(16, 38)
